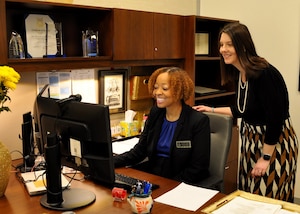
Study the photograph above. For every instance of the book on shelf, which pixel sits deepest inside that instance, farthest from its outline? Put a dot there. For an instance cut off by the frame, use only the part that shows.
(206, 90)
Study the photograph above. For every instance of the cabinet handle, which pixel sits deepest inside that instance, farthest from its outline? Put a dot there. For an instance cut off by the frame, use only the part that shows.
(226, 167)
(155, 49)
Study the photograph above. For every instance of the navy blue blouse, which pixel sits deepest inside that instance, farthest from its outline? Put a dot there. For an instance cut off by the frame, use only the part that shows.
(165, 138)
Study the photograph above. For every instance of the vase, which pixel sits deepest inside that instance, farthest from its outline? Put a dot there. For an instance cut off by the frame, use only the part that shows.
(5, 164)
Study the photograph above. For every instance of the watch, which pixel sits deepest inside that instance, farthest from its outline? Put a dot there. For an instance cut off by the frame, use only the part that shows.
(266, 157)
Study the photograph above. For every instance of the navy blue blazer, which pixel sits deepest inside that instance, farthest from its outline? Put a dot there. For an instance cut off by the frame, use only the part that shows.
(190, 147)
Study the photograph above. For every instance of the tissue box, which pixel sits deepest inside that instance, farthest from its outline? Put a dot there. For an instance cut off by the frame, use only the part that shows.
(129, 128)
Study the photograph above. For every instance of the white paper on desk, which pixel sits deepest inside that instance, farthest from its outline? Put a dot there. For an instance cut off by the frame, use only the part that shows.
(240, 205)
(122, 146)
(187, 197)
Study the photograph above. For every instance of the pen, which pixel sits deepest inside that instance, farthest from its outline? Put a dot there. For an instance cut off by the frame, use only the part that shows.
(222, 203)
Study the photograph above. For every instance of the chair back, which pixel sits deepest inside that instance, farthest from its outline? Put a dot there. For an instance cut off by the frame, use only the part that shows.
(221, 131)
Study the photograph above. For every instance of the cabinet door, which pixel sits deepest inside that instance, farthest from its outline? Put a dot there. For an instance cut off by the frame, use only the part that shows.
(168, 36)
(133, 35)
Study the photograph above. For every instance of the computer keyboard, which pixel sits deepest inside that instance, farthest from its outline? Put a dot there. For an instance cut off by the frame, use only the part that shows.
(127, 182)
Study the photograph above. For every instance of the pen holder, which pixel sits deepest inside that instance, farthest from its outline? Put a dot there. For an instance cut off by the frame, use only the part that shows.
(140, 203)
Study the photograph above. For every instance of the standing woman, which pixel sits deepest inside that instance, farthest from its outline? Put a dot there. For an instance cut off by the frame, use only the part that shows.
(269, 147)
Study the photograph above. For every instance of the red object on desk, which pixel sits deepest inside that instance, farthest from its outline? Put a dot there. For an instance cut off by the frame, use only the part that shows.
(119, 194)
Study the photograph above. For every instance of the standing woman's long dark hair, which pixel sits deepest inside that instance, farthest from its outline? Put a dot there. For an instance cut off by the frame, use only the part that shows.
(245, 50)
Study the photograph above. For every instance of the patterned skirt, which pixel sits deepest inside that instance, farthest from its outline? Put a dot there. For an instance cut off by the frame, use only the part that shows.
(279, 179)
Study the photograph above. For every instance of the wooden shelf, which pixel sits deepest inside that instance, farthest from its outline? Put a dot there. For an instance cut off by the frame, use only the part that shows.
(47, 64)
(207, 58)
(210, 96)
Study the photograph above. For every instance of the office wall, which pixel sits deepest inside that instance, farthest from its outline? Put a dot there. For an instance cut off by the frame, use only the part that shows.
(275, 28)
(163, 6)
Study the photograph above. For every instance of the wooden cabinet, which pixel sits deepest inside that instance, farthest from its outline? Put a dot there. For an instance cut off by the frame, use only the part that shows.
(140, 35)
(204, 69)
(126, 37)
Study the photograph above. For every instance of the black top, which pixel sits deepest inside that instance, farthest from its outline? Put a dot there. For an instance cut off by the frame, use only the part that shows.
(267, 103)
(190, 147)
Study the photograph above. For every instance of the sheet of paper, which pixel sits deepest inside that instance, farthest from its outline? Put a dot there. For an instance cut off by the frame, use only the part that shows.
(35, 182)
(240, 205)
(60, 85)
(120, 147)
(282, 211)
(85, 83)
(187, 197)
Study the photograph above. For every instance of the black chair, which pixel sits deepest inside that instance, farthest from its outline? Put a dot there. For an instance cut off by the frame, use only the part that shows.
(221, 131)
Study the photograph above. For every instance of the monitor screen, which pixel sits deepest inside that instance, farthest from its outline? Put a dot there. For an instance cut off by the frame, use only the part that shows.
(84, 133)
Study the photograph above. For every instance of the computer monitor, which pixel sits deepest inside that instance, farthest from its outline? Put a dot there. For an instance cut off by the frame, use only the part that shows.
(84, 132)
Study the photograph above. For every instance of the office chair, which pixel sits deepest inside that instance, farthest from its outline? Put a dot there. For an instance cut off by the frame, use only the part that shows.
(221, 131)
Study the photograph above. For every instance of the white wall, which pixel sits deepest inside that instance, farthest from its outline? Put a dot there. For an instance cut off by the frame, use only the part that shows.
(163, 6)
(275, 28)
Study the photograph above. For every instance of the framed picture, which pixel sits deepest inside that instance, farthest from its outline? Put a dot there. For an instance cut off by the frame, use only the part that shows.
(202, 44)
(113, 89)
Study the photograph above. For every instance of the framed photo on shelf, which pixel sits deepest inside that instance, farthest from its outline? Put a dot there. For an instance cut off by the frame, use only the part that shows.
(113, 89)
(202, 43)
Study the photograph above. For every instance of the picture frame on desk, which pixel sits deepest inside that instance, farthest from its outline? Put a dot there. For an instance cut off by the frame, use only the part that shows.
(113, 89)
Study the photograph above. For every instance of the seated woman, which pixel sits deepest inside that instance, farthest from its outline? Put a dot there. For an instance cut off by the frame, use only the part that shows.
(176, 138)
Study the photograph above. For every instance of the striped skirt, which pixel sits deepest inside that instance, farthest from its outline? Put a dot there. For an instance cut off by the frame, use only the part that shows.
(279, 179)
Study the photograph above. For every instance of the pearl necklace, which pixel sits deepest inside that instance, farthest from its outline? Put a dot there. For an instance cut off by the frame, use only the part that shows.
(245, 97)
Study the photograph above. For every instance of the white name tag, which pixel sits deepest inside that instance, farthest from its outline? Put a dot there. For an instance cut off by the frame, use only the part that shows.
(184, 144)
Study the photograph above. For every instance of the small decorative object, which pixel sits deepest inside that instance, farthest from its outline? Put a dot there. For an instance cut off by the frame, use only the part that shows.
(119, 194)
(16, 47)
(140, 198)
(90, 43)
(8, 80)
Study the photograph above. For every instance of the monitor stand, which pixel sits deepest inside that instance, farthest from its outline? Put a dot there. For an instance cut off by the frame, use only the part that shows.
(57, 198)
(72, 199)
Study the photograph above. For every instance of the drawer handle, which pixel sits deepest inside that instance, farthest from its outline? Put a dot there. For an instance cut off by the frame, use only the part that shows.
(226, 167)
(145, 81)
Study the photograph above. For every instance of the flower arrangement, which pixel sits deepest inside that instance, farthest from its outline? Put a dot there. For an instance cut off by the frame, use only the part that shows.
(8, 81)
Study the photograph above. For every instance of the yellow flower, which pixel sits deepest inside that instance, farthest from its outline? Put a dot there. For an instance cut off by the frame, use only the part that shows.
(8, 80)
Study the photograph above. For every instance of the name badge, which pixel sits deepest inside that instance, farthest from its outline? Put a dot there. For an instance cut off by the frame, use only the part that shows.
(185, 144)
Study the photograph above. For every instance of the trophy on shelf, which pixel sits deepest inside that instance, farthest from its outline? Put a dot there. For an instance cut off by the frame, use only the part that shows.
(90, 43)
(16, 48)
